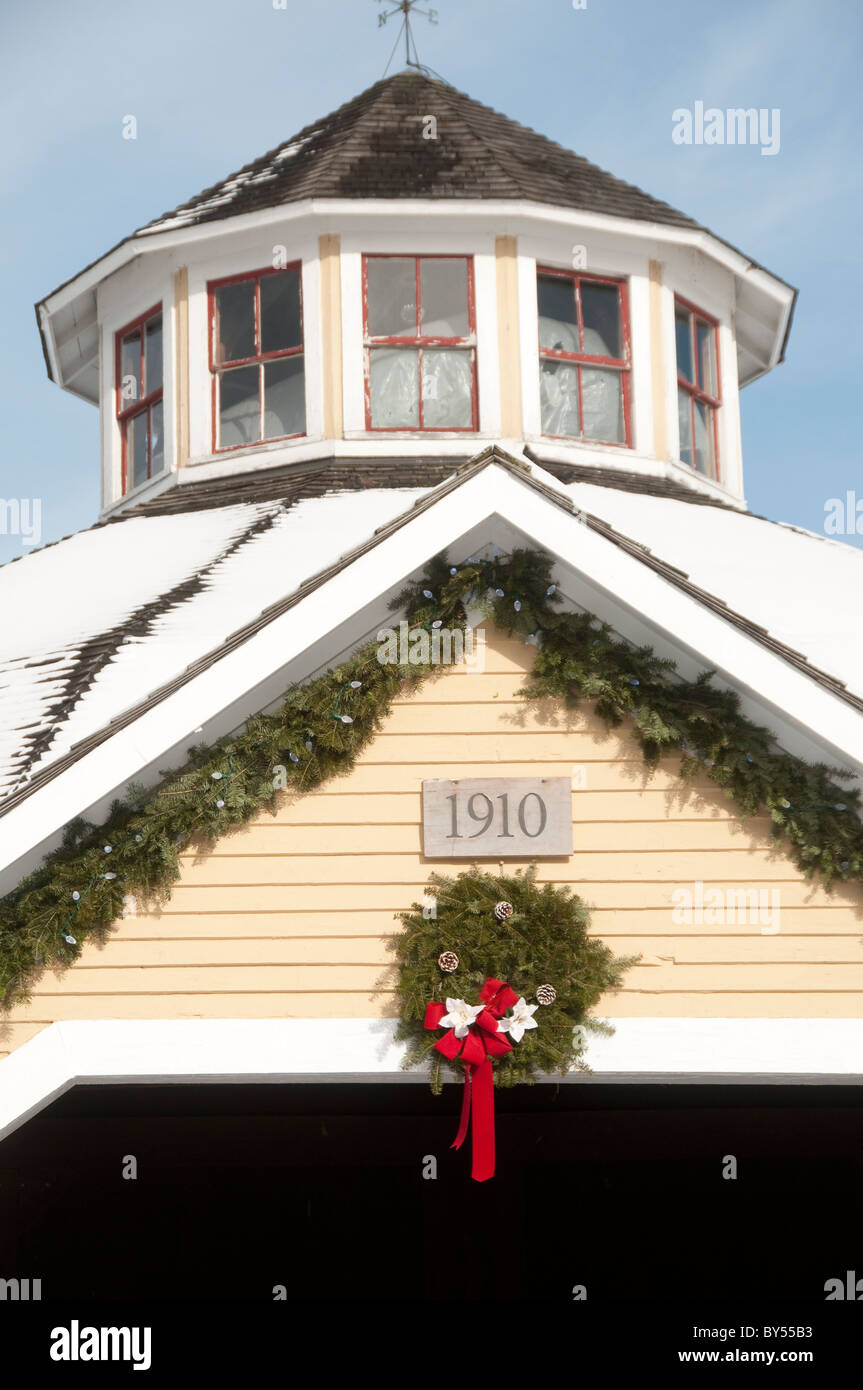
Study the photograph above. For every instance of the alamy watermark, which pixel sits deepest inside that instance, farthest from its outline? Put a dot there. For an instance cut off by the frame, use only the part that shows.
(442, 646)
(737, 125)
(21, 517)
(727, 907)
(77, 1343)
(20, 1290)
(844, 515)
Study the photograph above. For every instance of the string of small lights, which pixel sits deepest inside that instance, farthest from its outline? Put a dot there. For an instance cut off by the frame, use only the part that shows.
(322, 726)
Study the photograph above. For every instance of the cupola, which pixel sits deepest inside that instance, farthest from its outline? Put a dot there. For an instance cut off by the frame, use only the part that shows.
(415, 276)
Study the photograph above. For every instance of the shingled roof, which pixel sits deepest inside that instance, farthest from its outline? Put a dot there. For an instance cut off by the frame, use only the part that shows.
(373, 147)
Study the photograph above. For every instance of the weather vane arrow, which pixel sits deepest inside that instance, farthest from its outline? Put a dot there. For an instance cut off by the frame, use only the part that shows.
(405, 8)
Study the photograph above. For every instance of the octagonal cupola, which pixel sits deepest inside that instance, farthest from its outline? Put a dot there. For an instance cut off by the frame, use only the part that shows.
(413, 277)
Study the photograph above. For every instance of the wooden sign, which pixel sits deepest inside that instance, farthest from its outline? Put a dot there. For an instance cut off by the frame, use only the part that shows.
(497, 818)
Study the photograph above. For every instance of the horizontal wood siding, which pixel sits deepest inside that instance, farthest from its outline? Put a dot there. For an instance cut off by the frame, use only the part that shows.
(290, 916)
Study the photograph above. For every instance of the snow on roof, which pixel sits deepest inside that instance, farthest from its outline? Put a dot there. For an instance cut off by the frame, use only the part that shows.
(101, 620)
(226, 192)
(804, 589)
(97, 621)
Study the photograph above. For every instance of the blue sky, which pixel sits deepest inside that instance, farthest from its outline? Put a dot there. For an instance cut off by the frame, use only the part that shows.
(214, 83)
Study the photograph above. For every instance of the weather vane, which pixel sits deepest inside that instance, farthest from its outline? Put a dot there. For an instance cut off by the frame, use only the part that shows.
(405, 8)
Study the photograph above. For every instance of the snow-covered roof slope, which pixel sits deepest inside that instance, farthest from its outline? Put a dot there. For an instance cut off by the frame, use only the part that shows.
(93, 624)
(805, 590)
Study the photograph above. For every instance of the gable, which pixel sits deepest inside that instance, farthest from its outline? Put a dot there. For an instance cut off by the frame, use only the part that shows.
(495, 502)
(288, 917)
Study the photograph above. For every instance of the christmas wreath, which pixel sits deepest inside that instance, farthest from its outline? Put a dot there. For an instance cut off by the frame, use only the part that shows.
(498, 971)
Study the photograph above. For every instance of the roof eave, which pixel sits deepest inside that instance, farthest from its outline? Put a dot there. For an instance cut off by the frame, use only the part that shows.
(143, 243)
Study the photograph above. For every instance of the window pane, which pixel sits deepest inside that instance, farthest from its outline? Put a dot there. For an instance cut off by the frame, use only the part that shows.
(558, 389)
(136, 450)
(284, 397)
(600, 312)
(447, 390)
(706, 356)
(239, 407)
(394, 388)
(392, 297)
(235, 321)
(280, 311)
(157, 439)
(558, 324)
(130, 369)
(704, 439)
(683, 330)
(684, 415)
(153, 355)
(602, 402)
(443, 290)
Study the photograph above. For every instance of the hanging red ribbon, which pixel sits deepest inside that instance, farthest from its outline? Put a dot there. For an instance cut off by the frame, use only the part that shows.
(476, 1050)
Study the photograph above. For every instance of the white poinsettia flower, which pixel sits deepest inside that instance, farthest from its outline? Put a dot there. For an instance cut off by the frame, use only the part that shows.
(521, 1018)
(459, 1016)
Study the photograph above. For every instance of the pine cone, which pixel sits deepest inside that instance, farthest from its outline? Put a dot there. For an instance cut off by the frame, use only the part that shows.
(448, 962)
(546, 994)
(502, 911)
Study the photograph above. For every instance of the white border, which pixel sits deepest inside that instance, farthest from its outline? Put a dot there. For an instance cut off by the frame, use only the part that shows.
(520, 214)
(813, 1051)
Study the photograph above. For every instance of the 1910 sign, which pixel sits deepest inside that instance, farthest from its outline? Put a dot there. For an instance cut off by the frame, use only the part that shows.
(497, 818)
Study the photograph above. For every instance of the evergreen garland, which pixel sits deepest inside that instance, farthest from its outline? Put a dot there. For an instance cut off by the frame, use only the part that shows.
(80, 888)
(543, 942)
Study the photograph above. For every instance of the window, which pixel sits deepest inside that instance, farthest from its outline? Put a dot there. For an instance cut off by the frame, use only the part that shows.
(256, 358)
(698, 393)
(139, 399)
(584, 357)
(420, 343)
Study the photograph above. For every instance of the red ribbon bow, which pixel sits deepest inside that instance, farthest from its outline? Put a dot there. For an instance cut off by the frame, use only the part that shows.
(476, 1049)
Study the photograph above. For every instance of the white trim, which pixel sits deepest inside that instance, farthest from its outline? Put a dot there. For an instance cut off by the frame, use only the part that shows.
(121, 302)
(482, 504)
(493, 210)
(47, 328)
(280, 1051)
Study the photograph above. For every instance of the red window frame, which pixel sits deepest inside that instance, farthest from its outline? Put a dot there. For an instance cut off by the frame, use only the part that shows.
(695, 390)
(258, 358)
(418, 342)
(146, 400)
(579, 359)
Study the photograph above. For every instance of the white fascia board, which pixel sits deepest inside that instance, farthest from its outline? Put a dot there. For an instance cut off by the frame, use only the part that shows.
(284, 1051)
(398, 209)
(494, 492)
(528, 214)
(47, 327)
(715, 641)
(781, 333)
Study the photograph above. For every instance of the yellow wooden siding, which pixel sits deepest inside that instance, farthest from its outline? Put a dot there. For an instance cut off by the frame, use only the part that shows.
(289, 916)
